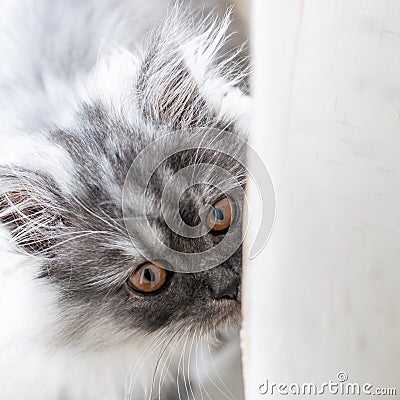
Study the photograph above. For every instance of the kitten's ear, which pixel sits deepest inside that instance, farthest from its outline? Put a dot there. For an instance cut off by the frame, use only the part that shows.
(28, 210)
(184, 82)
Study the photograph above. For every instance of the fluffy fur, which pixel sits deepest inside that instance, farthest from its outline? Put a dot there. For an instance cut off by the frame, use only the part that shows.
(85, 86)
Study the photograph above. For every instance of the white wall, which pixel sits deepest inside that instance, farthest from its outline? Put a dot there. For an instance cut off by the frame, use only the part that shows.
(324, 296)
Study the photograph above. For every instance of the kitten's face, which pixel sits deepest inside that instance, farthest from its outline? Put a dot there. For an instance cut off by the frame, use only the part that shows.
(113, 281)
(103, 276)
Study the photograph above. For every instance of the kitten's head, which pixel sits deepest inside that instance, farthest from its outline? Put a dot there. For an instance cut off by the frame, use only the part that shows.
(70, 207)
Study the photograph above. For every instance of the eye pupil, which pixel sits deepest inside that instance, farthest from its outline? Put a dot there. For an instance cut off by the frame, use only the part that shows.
(149, 275)
(219, 214)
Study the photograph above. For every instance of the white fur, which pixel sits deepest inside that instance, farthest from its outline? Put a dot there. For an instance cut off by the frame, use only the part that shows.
(36, 153)
(32, 364)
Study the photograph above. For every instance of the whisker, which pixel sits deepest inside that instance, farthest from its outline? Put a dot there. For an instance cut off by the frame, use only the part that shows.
(112, 225)
(227, 395)
(201, 385)
(143, 357)
(216, 372)
(159, 359)
(188, 365)
(172, 351)
(177, 374)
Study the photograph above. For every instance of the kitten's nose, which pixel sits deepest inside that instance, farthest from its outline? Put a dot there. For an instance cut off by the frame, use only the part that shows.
(228, 291)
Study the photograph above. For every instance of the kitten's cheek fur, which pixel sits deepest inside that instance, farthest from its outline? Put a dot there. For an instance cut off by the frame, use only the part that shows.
(231, 315)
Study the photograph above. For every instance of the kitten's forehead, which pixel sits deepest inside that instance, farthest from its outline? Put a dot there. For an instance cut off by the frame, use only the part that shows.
(173, 198)
(197, 165)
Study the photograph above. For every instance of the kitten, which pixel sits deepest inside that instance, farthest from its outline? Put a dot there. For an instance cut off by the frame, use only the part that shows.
(89, 308)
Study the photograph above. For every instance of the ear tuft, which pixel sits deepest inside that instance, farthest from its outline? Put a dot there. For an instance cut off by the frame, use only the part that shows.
(183, 80)
(28, 212)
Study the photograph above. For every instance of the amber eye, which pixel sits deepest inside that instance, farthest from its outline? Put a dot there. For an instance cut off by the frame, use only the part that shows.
(148, 278)
(221, 215)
